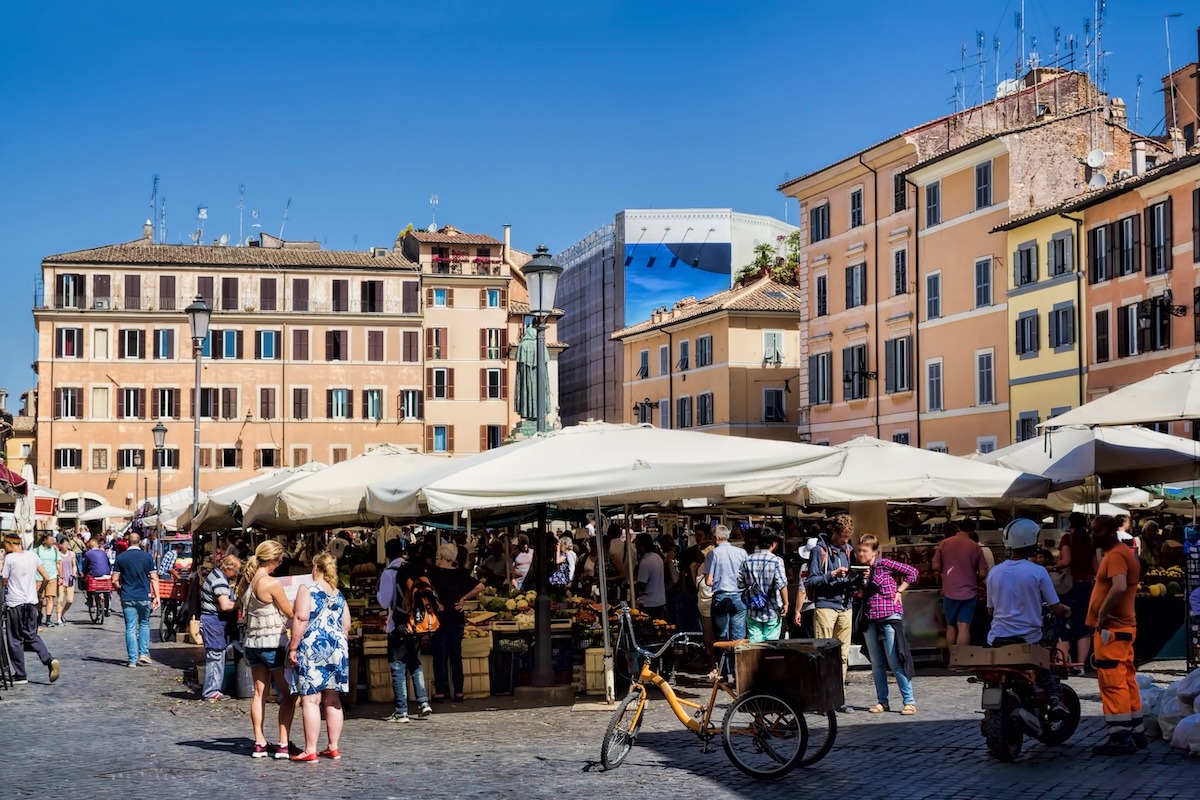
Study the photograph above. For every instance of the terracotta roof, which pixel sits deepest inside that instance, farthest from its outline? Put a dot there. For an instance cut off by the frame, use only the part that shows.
(765, 294)
(143, 252)
(452, 235)
(23, 423)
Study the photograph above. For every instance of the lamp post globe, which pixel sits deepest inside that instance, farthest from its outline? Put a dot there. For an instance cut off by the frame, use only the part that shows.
(199, 313)
(541, 275)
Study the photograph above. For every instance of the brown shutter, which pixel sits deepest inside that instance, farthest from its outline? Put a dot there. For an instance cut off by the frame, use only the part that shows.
(450, 298)
(329, 346)
(1148, 213)
(58, 403)
(155, 411)
(444, 341)
(429, 381)
(1167, 235)
(411, 347)
(483, 337)
(120, 403)
(206, 457)
(429, 344)
(429, 297)
(504, 343)
(450, 383)
(483, 431)
(344, 345)
(257, 458)
(175, 404)
(300, 294)
(266, 291)
(349, 404)
(483, 395)
(238, 459)
(504, 298)
(1137, 244)
(483, 298)
(428, 438)
(141, 396)
(238, 343)
(120, 343)
(329, 403)
(450, 438)
(504, 384)
(409, 298)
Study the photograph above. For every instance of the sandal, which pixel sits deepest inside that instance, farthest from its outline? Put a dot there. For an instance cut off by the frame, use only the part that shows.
(878, 708)
(909, 710)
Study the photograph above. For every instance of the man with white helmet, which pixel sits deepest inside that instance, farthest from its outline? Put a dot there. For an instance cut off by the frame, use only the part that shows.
(1016, 592)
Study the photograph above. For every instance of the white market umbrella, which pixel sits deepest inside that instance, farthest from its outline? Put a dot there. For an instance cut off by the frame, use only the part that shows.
(876, 470)
(1121, 456)
(1173, 394)
(336, 495)
(580, 464)
(217, 508)
(105, 511)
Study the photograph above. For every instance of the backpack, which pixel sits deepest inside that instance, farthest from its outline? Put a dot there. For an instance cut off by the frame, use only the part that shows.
(415, 608)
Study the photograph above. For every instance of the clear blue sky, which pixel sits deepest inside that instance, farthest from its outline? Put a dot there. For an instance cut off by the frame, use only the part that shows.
(547, 115)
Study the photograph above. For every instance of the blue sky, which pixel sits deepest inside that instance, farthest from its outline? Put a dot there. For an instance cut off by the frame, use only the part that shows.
(547, 115)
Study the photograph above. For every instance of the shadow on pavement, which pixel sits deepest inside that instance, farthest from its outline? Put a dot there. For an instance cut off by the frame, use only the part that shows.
(228, 744)
(119, 662)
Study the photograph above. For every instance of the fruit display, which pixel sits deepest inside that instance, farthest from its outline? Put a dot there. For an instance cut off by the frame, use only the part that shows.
(1161, 582)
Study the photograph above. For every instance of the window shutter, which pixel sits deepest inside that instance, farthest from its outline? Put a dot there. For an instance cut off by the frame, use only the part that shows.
(1091, 255)
(1018, 336)
(889, 357)
(420, 405)
(238, 458)
(1145, 338)
(450, 298)
(257, 458)
(849, 287)
(812, 381)
(1135, 244)
(504, 383)
(483, 437)
(120, 403)
(428, 438)
(450, 438)
(410, 346)
(1034, 334)
(429, 344)
(170, 344)
(1122, 333)
(237, 338)
(350, 404)
(429, 381)
(409, 297)
(1148, 213)
(847, 365)
(483, 394)
(217, 348)
(428, 297)
(483, 337)
(450, 384)
(329, 403)
(258, 337)
(1167, 234)
(121, 344)
(330, 346)
(206, 457)
(155, 410)
(1070, 326)
(1196, 228)
(58, 403)
(1016, 262)
(175, 404)
(444, 339)
(483, 304)
(504, 298)
(504, 343)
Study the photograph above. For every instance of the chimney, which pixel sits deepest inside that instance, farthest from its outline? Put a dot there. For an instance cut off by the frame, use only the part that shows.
(507, 241)
(1139, 158)
(1178, 145)
(148, 232)
(3, 400)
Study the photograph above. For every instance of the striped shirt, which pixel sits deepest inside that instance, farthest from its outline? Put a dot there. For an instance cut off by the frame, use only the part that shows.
(884, 573)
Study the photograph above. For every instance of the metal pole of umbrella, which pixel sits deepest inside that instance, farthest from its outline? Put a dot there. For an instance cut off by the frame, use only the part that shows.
(543, 667)
(601, 557)
(629, 569)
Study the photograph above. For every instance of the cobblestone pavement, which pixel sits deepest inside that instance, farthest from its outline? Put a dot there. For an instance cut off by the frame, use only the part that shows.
(106, 730)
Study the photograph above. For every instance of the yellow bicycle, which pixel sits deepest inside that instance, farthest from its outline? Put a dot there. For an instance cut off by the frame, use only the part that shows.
(763, 732)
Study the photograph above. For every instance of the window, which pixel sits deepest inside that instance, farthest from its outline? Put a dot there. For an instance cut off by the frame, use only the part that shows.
(229, 403)
(69, 292)
(339, 454)
(985, 378)
(685, 348)
(1128, 252)
(133, 292)
(441, 439)
(300, 294)
(899, 193)
(1025, 264)
(266, 402)
(856, 286)
(664, 359)
(1101, 326)
(437, 345)
(266, 458)
(267, 291)
(1158, 238)
(299, 404)
(299, 456)
(166, 292)
(229, 294)
(818, 223)
(1158, 335)
(900, 271)
(99, 409)
(410, 297)
(773, 409)
(933, 204)
(132, 343)
(704, 356)
(372, 297)
(164, 403)
(299, 345)
(228, 344)
(491, 437)
(900, 437)
(704, 408)
(341, 295)
(897, 355)
(100, 344)
(68, 403)
(210, 402)
(1098, 264)
(1061, 327)
(772, 347)
(164, 343)
(495, 344)
(204, 288)
(856, 208)
(643, 364)
(983, 282)
(441, 384)
(68, 342)
(411, 404)
(933, 385)
(985, 444)
(664, 413)
(822, 295)
(339, 403)
(266, 345)
(337, 345)
(683, 412)
(1127, 331)
(374, 345)
(493, 298)
(411, 347)
(937, 447)
(68, 458)
(820, 379)
(99, 458)
(131, 403)
(933, 295)
(854, 372)
(169, 458)
(229, 458)
(1060, 254)
(439, 298)
(1026, 336)
(372, 402)
(131, 458)
(1027, 423)
(983, 185)
(492, 385)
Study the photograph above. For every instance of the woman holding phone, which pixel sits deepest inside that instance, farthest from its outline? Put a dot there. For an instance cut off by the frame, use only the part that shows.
(883, 623)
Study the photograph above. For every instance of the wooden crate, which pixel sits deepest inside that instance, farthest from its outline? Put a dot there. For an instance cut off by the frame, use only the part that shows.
(375, 644)
(810, 670)
(379, 680)
(593, 675)
(477, 678)
(1009, 655)
(477, 648)
(351, 696)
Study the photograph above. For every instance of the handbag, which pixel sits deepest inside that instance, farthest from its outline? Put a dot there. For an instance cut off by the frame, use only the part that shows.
(1063, 581)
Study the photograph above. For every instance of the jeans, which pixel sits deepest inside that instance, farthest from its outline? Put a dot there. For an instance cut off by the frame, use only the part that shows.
(22, 632)
(447, 645)
(405, 657)
(883, 656)
(137, 628)
(728, 616)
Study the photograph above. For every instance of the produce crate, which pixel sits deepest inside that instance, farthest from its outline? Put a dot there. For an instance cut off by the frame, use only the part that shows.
(1010, 655)
(99, 584)
(477, 678)
(379, 680)
(476, 648)
(593, 676)
(173, 590)
(810, 670)
(374, 644)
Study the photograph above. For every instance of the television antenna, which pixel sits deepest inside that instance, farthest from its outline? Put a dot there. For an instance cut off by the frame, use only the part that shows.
(433, 204)
(241, 206)
(153, 206)
(283, 224)
(201, 215)
(1171, 75)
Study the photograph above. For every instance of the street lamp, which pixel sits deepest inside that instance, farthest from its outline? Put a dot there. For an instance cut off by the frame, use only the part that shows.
(541, 276)
(160, 441)
(199, 313)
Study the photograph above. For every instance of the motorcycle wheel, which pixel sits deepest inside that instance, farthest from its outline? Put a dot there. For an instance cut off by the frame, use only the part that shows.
(1059, 732)
(1003, 736)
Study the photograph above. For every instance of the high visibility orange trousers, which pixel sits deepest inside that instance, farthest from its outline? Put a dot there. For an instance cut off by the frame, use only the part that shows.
(1119, 694)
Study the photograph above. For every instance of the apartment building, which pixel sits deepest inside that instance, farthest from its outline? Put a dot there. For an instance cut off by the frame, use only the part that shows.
(725, 364)
(312, 355)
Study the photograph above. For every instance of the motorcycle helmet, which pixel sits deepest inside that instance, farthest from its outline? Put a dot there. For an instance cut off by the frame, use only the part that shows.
(1021, 533)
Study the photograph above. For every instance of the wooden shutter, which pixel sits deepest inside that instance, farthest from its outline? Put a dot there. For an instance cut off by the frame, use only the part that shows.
(410, 339)
(238, 343)
(300, 345)
(847, 365)
(266, 292)
(483, 337)
(504, 343)
(450, 298)
(330, 346)
(349, 404)
(849, 287)
(812, 381)
(58, 395)
(429, 297)
(101, 287)
(375, 345)
(483, 387)
(450, 383)
(429, 381)
(300, 294)
(155, 410)
(1122, 332)
(483, 438)
(120, 404)
(1091, 255)
(483, 299)
(229, 403)
(409, 298)
(343, 345)
(121, 343)
(170, 342)
(175, 403)
(258, 345)
(428, 438)
(1136, 244)
(329, 403)
(504, 298)
(890, 365)
(206, 457)
(1168, 236)
(429, 344)
(504, 383)
(238, 458)
(450, 438)
(216, 347)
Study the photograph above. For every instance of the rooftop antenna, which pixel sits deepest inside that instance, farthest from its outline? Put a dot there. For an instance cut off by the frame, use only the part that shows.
(433, 204)
(982, 98)
(1057, 65)
(1020, 24)
(996, 51)
(162, 232)
(241, 206)
(153, 206)
(283, 224)
(1137, 104)
(787, 176)
(201, 215)
(1170, 73)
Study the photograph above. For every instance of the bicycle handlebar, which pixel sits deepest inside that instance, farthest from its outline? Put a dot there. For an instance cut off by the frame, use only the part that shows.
(685, 637)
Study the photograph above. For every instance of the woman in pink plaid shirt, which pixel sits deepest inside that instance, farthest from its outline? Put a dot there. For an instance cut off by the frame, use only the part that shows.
(883, 623)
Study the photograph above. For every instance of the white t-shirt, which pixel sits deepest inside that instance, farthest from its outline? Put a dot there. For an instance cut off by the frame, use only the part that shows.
(571, 559)
(650, 572)
(21, 572)
(1016, 590)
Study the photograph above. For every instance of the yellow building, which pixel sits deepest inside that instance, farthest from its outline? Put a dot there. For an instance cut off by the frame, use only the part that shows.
(1046, 365)
(726, 364)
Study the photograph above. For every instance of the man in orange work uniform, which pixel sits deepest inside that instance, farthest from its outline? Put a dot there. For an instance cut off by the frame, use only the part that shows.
(1110, 615)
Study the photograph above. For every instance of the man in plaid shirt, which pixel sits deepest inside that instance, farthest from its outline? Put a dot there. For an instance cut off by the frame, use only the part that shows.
(765, 580)
(167, 562)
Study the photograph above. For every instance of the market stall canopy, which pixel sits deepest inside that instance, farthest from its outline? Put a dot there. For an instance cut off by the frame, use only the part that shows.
(105, 511)
(12, 485)
(1173, 394)
(1125, 455)
(224, 508)
(173, 505)
(879, 470)
(337, 494)
(574, 466)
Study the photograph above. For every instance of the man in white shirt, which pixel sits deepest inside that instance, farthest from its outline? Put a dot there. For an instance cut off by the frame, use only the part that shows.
(651, 587)
(20, 573)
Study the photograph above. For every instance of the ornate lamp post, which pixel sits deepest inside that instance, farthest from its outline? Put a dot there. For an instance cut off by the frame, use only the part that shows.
(160, 442)
(199, 314)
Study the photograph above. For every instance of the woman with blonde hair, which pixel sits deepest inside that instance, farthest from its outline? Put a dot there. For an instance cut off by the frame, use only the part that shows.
(266, 612)
(321, 657)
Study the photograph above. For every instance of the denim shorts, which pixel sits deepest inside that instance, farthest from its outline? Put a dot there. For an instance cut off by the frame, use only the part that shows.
(959, 610)
(271, 657)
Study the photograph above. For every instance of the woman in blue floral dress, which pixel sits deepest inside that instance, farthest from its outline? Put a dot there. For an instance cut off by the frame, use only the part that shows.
(320, 656)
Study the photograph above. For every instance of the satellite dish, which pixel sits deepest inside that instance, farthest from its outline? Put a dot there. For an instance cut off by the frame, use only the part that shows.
(224, 240)
(196, 234)
(1098, 181)
(432, 228)
(1096, 158)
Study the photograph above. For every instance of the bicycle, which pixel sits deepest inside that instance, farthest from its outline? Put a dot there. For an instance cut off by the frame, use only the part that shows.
(99, 594)
(173, 617)
(763, 732)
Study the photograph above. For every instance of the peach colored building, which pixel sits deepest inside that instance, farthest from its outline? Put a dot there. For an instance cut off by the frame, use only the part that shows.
(725, 364)
(312, 355)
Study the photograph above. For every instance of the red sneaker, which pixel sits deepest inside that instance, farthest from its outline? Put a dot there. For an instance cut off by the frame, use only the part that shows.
(305, 757)
(331, 752)
(259, 751)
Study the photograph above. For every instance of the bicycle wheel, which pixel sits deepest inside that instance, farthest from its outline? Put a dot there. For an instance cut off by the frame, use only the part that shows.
(168, 622)
(764, 735)
(622, 730)
(96, 608)
(822, 732)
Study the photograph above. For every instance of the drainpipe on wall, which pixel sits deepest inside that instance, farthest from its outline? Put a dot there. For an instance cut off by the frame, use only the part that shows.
(919, 376)
(670, 380)
(1079, 343)
(875, 227)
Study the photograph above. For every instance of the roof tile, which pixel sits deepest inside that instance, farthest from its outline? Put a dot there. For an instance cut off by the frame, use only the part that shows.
(765, 294)
(142, 252)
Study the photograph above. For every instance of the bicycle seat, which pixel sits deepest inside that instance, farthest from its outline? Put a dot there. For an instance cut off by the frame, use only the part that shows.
(730, 645)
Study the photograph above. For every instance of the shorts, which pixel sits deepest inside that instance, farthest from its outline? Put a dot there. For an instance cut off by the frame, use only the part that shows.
(959, 610)
(270, 657)
(48, 589)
